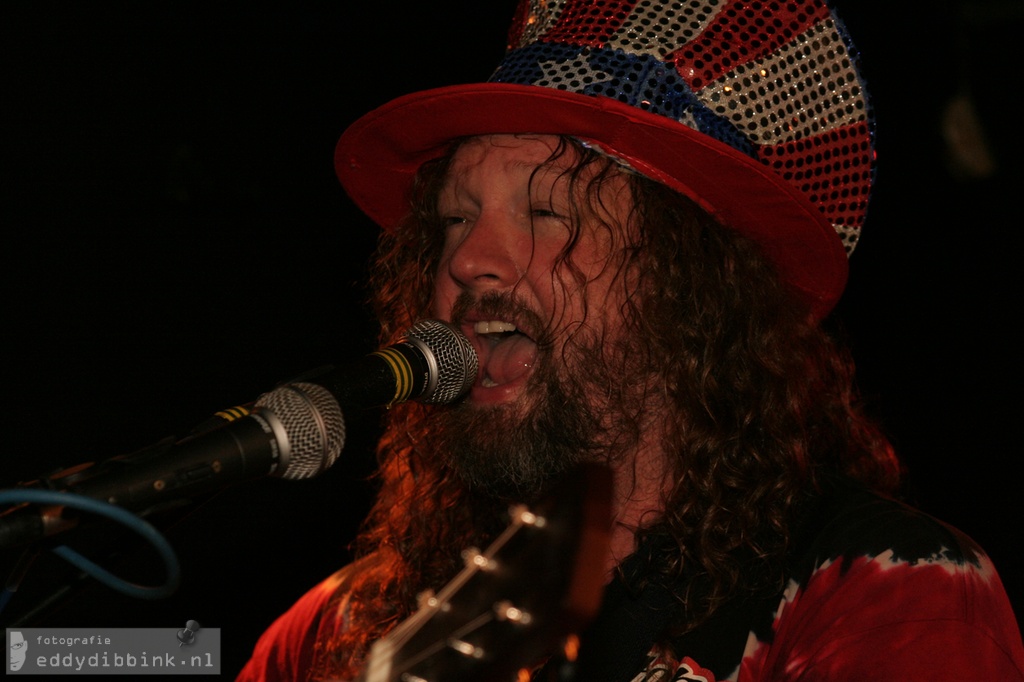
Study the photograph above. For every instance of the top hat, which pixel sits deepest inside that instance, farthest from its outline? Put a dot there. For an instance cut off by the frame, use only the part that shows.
(755, 110)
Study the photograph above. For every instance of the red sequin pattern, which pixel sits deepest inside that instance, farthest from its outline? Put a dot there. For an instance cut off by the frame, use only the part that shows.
(779, 72)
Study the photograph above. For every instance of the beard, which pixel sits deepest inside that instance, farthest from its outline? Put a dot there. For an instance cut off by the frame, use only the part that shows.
(565, 417)
(507, 451)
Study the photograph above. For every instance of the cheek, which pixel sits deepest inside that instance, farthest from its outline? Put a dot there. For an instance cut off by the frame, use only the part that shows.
(444, 295)
(603, 295)
(592, 272)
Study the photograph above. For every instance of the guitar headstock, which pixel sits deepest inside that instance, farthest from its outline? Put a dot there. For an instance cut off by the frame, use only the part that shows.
(516, 601)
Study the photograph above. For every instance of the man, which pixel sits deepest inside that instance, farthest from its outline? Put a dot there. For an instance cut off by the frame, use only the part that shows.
(19, 650)
(639, 223)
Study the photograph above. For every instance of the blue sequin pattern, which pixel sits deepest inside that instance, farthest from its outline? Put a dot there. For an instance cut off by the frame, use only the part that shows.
(639, 80)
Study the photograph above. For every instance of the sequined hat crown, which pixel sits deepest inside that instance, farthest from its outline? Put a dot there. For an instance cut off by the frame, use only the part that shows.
(755, 110)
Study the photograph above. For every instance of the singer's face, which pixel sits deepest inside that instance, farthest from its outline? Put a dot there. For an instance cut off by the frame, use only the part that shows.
(509, 275)
(532, 272)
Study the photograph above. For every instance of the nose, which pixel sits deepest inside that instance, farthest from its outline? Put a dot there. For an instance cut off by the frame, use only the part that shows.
(488, 254)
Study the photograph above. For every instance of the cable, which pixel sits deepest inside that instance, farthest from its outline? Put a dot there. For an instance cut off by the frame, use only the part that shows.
(115, 513)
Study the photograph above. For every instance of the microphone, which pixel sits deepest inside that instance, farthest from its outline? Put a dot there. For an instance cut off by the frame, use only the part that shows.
(435, 363)
(295, 431)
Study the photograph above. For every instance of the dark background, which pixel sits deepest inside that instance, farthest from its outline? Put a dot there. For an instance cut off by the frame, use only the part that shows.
(175, 242)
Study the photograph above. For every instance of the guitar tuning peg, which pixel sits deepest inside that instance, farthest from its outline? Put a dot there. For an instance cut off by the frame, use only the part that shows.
(409, 677)
(426, 598)
(466, 649)
(474, 559)
(520, 513)
(506, 610)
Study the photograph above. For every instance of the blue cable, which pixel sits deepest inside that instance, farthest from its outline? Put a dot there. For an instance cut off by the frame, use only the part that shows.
(122, 516)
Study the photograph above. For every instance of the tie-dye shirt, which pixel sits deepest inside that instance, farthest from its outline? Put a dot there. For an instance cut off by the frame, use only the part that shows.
(877, 590)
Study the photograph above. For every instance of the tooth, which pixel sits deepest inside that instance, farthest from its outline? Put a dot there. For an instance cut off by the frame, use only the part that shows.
(493, 327)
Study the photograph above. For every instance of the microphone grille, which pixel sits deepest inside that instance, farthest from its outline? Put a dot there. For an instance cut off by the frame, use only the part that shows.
(313, 425)
(457, 362)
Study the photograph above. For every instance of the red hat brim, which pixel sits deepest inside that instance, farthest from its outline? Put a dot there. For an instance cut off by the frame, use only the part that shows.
(378, 155)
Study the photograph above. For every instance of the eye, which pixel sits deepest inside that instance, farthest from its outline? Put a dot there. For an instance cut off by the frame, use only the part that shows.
(548, 221)
(547, 210)
(546, 213)
(451, 221)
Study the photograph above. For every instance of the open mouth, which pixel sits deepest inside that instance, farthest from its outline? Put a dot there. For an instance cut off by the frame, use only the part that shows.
(507, 354)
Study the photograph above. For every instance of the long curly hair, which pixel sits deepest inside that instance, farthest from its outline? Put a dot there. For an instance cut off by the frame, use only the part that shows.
(763, 402)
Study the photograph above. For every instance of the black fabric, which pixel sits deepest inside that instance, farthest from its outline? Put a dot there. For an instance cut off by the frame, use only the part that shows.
(615, 645)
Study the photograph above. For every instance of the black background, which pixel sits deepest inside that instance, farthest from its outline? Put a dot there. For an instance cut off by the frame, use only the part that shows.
(175, 242)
